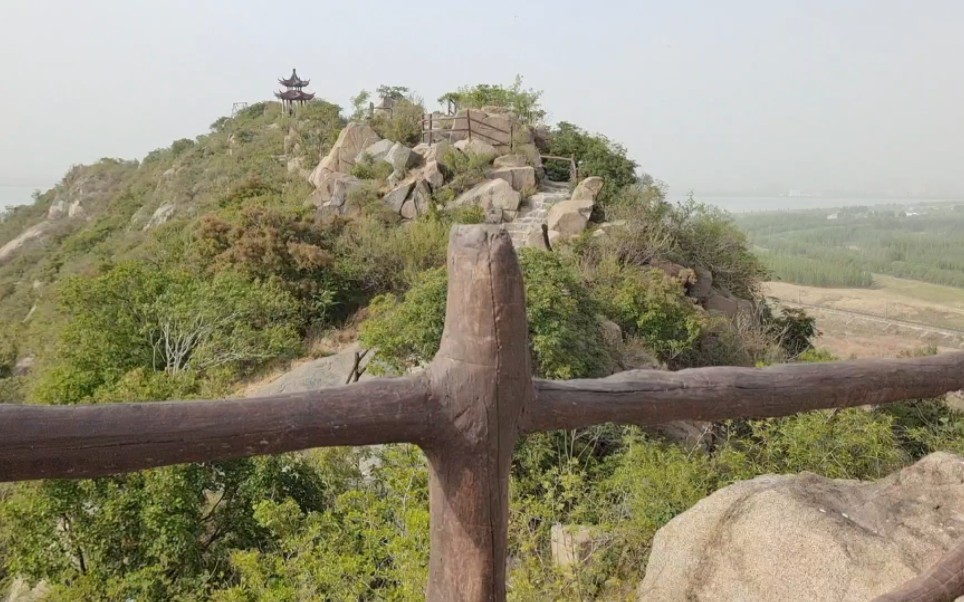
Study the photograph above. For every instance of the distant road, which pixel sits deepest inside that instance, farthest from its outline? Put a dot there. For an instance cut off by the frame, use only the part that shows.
(875, 318)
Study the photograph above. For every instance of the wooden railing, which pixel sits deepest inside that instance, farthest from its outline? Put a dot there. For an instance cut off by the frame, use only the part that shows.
(433, 125)
(466, 412)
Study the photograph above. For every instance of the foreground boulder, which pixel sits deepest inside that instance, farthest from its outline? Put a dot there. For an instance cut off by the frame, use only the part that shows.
(493, 194)
(806, 538)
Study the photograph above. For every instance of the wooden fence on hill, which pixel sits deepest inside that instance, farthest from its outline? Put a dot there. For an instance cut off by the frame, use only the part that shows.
(466, 412)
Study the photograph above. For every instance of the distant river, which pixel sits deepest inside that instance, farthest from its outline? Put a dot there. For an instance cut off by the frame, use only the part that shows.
(781, 203)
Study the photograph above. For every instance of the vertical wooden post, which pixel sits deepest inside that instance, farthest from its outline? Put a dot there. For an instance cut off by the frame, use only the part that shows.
(468, 122)
(481, 383)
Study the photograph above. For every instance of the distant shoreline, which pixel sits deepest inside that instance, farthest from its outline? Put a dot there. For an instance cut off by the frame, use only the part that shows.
(753, 204)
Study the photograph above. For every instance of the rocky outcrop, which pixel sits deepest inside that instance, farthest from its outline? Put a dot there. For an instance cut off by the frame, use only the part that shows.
(398, 195)
(331, 371)
(520, 178)
(433, 152)
(515, 160)
(806, 538)
(570, 218)
(160, 215)
(21, 591)
(352, 140)
(32, 233)
(334, 193)
(493, 194)
(730, 307)
(401, 158)
(476, 147)
(588, 189)
(375, 152)
(572, 545)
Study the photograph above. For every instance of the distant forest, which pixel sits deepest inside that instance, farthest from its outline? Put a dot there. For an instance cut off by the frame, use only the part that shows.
(844, 247)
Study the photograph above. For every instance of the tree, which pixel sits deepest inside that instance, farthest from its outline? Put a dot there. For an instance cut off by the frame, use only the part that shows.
(596, 155)
(132, 316)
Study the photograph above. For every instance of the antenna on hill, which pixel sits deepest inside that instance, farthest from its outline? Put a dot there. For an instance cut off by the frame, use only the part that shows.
(238, 107)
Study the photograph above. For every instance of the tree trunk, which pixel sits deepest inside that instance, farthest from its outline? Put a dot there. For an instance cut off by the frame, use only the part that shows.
(480, 382)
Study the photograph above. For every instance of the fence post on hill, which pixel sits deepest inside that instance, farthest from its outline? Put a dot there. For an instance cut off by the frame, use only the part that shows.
(481, 382)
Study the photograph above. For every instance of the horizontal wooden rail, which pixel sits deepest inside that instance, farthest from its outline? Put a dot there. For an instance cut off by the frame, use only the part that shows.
(649, 397)
(94, 440)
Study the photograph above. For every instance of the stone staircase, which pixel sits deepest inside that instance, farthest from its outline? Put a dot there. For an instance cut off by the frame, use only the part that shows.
(535, 210)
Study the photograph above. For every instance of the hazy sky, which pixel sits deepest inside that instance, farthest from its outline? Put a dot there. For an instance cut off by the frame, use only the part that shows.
(711, 96)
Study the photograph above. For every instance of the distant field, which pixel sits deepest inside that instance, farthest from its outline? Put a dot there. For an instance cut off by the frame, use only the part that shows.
(891, 316)
(845, 247)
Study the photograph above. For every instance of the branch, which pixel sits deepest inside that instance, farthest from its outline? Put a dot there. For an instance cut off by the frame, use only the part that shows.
(943, 582)
(649, 397)
(94, 440)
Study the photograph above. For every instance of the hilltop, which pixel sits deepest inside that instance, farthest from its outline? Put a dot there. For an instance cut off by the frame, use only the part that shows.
(277, 237)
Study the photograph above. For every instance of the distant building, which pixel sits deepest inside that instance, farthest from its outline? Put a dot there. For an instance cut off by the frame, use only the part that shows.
(294, 93)
(833, 216)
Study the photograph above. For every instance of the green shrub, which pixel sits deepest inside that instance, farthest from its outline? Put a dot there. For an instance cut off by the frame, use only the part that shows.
(522, 102)
(368, 169)
(596, 156)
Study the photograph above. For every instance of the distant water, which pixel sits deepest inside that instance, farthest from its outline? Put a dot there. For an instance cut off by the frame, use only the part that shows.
(782, 203)
(16, 195)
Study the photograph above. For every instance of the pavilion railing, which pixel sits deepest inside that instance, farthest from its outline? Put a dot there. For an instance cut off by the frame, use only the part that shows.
(466, 412)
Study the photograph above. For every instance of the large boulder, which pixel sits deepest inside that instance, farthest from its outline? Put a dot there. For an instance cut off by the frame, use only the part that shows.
(422, 197)
(356, 137)
(493, 193)
(588, 189)
(432, 173)
(729, 307)
(520, 178)
(569, 218)
(160, 215)
(514, 160)
(433, 152)
(395, 198)
(376, 151)
(806, 538)
(477, 147)
(401, 158)
(330, 371)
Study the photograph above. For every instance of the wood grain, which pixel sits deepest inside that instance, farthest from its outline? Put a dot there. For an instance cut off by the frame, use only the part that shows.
(480, 382)
(94, 440)
(649, 397)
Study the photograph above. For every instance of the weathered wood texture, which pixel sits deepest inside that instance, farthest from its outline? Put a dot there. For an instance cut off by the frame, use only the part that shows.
(648, 397)
(480, 382)
(943, 582)
(94, 440)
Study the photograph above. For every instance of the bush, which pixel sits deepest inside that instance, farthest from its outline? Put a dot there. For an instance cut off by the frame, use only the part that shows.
(522, 102)
(368, 169)
(596, 156)
(134, 316)
(564, 334)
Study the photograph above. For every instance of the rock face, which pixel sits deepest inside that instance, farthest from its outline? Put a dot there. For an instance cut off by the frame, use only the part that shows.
(588, 189)
(805, 538)
(569, 218)
(160, 215)
(375, 151)
(520, 178)
(352, 140)
(32, 233)
(401, 158)
(572, 545)
(331, 371)
(433, 152)
(730, 307)
(517, 160)
(476, 147)
(492, 194)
